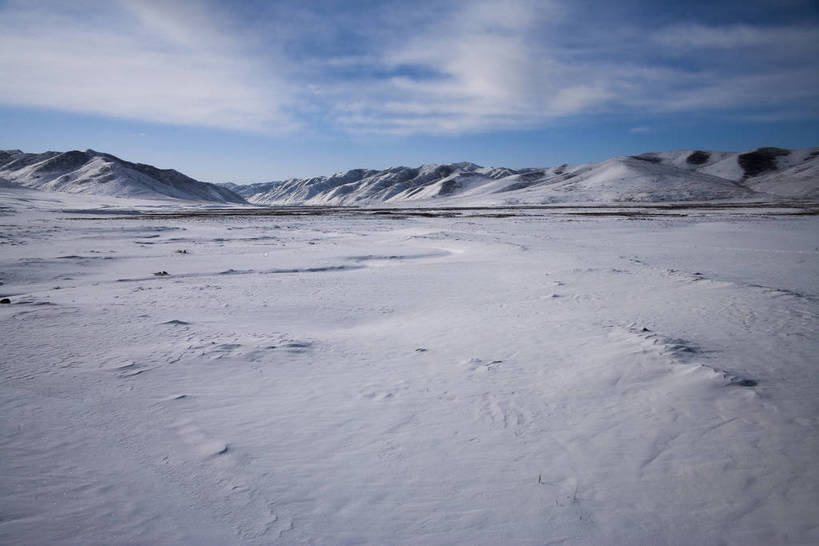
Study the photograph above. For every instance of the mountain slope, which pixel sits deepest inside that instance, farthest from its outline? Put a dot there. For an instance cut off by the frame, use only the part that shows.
(764, 174)
(686, 175)
(97, 173)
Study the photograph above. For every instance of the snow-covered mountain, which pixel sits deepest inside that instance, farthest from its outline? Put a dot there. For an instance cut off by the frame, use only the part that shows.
(98, 173)
(764, 174)
(689, 175)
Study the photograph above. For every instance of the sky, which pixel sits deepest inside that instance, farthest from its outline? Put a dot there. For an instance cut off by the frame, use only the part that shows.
(266, 90)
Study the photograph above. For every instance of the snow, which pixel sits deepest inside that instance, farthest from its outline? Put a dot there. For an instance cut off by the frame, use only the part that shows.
(767, 175)
(96, 173)
(647, 178)
(352, 378)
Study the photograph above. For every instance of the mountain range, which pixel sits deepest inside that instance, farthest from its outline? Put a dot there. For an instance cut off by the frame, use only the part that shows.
(764, 174)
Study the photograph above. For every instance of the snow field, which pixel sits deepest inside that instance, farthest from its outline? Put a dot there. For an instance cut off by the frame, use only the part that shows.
(349, 380)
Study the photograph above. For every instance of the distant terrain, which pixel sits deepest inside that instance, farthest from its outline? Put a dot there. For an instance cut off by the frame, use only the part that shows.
(97, 173)
(761, 175)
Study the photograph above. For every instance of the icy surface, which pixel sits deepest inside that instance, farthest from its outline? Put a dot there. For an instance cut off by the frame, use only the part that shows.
(548, 378)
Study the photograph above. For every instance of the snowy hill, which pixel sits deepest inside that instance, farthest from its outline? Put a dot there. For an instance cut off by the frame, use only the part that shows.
(688, 175)
(776, 171)
(764, 174)
(96, 173)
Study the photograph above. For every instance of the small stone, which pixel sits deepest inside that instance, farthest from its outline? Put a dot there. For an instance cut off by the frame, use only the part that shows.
(5, 300)
(744, 383)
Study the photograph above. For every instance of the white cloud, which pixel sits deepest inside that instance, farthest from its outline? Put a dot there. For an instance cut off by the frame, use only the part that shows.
(150, 61)
(578, 98)
(486, 66)
(445, 67)
(697, 36)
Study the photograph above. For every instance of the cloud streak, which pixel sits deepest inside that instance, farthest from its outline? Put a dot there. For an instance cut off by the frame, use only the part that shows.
(440, 68)
(147, 61)
(487, 66)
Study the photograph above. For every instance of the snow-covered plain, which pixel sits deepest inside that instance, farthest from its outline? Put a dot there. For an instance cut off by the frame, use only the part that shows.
(542, 378)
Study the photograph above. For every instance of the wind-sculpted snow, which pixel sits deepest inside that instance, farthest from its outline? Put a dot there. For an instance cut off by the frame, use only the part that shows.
(691, 175)
(346, 377)
(91, 172)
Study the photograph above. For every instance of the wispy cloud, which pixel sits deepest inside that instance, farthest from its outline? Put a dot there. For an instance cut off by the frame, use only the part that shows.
(797, 40)
(150, 61)
(483, 66)
(450, 67)
(478, 66)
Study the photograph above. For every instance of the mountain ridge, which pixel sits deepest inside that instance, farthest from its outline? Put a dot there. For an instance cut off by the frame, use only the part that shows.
(683, 175)
(763, 174)
(100, 173)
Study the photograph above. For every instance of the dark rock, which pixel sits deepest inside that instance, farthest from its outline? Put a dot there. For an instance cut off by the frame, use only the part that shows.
(68, 161)
(650, 158)
(698, 157)
(449, 187)
(739, 382)
(760, 161)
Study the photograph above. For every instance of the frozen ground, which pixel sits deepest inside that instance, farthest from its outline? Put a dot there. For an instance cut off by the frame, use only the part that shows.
(388, 379)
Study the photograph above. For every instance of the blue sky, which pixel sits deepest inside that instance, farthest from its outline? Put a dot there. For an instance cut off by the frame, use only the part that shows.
(254, 91)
